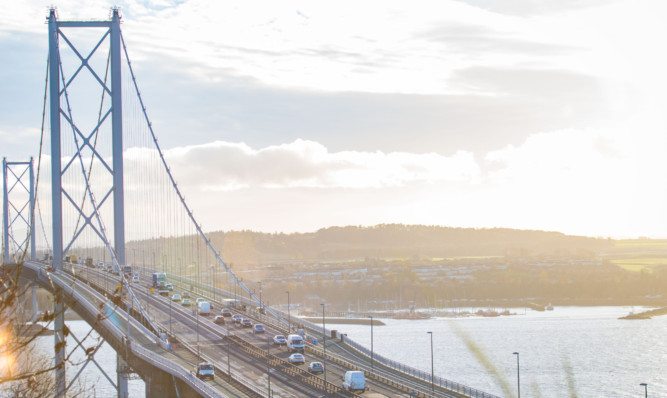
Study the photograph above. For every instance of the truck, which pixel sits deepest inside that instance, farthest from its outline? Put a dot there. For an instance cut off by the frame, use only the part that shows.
(127, 270)
(295, 343)
(159, 280)
(204, 308)
(354, 380)
(231, 303)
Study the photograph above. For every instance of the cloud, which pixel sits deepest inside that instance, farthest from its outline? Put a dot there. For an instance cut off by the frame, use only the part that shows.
(221, 166)
(531, 8)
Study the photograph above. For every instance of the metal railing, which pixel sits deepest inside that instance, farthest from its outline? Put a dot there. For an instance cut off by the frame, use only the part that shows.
(118, 335)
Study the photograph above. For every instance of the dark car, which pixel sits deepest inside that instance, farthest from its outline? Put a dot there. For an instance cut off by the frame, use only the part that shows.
(316, 367)
(246, 323)
(219, 319)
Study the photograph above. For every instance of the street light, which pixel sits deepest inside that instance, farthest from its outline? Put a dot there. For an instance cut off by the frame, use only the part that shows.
(645, 389)
(289, 318)
(261, 303)
(518, 375)
(229, 342)
(269, 371)
(372, 368)
(432, 385)
(324, 332)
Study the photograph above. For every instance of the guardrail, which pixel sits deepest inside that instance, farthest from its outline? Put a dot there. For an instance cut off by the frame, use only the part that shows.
(113, 331)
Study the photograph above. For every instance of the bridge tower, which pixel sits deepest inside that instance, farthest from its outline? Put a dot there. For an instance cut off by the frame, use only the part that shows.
(59, 110)
(22, 210)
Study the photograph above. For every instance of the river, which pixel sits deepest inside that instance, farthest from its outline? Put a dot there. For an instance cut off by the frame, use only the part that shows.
(92, 378)
(587, 350)
(608, 357)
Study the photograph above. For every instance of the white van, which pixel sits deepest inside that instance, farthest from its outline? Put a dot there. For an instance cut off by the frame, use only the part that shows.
(295, 343)
(354, 380)
(204, 308)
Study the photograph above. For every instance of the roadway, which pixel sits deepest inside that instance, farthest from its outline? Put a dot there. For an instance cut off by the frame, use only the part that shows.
(252, 357)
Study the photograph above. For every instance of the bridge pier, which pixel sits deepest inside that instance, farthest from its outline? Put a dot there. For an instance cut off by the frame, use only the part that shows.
(160, 384)
(60, 353)
(35, 309)
(122, 372)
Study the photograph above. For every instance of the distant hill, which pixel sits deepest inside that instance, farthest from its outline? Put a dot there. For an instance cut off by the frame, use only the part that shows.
(401, 241)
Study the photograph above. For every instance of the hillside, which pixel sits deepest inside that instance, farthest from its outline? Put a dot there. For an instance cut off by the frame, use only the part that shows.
(402, 241)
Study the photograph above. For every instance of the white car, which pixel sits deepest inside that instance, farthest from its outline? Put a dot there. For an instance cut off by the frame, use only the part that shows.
(176, 297)
(279, 339)
(297, 359)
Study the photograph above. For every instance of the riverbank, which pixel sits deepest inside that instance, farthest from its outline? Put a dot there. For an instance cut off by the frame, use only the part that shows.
(345, 321)
(646, 314)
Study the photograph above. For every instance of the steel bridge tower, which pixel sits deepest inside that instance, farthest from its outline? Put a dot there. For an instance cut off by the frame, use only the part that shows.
(24, 211)
(58, 112)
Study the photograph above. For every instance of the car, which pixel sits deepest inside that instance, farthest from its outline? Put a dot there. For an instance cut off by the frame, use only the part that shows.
(316, 367)
(279, 339)
(186, 303)
(205, 371)
(176, 297)
(297, 359)
(226, 312)
(186, 295)
(258, 328)
(135, 279)
(199, 299)
(219, 319)
(246, 323)
(237, 318)
(170, 287)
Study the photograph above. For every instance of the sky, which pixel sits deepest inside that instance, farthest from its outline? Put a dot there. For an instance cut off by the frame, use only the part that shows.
(290, 116)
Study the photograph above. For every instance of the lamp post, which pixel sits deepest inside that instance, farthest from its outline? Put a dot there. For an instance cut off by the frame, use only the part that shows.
(289, 318)
(229, 342)
(197, 319)
(269, 373)
(261, 303)
(645, 389)
(324, 331)
(432, 385)
(518, 376)
(372, 364)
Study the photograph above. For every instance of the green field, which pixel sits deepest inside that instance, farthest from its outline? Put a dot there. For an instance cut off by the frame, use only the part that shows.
(641, 243)
(638, 264)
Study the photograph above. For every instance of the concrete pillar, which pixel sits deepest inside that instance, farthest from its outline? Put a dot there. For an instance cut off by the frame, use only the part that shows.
(35, 309)
(121, 376)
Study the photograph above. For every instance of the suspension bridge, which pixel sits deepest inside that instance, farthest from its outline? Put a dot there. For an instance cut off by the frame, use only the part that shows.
(103, 189)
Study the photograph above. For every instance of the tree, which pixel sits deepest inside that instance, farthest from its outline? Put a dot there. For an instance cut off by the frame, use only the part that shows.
(24, 371)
